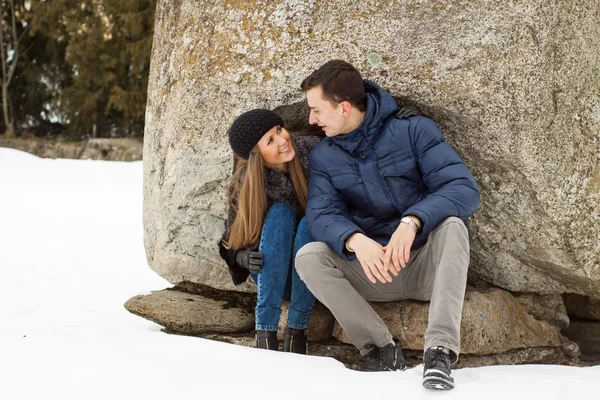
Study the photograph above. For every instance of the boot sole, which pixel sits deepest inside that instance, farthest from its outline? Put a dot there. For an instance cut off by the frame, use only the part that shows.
(438, 383)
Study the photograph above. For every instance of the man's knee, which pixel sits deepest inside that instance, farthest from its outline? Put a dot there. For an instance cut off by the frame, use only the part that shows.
(453, 223)
(311, 258)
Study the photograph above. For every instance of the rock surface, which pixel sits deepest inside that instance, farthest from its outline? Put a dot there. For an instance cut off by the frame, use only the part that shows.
(190, 314)
(582, 307)
(587, 335)
(513, 86)
(123, 149)
(350, 357)
(493, 322)
(496, 329)
(192, 310)
(549, 308)
(320, 323)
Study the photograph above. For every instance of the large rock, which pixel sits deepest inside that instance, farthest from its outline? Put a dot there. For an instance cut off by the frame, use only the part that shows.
(493, 322)
(514, 87)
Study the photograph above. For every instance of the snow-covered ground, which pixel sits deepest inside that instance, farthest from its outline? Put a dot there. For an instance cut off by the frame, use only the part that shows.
(71, 253)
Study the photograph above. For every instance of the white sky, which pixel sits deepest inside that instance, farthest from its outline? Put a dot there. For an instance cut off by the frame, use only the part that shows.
(71, 254)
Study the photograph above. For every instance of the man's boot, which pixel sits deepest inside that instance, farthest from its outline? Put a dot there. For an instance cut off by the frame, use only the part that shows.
(295, 341)
(437, 373)
(267, 340)
(387, 358)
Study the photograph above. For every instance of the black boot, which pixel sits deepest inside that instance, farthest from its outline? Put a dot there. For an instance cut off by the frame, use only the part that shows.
(437, 373)
(267, 340)
(295, 341)
(388, 358)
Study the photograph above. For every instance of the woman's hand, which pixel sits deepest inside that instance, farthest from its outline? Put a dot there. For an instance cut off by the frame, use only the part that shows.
(251, 260)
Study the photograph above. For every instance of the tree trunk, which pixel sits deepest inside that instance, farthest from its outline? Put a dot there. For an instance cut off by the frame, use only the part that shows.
(10, 131)
(7, 75)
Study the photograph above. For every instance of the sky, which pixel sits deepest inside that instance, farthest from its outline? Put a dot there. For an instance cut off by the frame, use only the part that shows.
(71, 254)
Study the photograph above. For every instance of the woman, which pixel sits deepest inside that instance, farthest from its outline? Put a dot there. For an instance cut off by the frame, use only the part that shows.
(266, 224)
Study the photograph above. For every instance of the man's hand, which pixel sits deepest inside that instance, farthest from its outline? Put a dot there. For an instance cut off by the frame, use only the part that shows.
(371, 256)
(398, 248)
(251, 260)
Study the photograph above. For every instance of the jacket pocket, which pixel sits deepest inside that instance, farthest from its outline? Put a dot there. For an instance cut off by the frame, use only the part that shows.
(404, 182)
(400, 168)
(344, 181)
(352, 188)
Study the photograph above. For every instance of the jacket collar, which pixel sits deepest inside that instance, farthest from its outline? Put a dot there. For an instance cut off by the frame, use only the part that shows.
(380, 105)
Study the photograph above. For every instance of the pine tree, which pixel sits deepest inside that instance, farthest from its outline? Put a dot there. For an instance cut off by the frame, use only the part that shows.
(132, 23)
(106, 58)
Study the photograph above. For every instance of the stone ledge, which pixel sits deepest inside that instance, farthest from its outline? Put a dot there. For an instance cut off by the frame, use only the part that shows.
(118, 149)
(493, 322)
(350, 357)
(189, 314)
(496, 329)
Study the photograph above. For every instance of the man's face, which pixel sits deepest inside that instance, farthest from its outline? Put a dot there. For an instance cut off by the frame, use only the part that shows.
(329, 116)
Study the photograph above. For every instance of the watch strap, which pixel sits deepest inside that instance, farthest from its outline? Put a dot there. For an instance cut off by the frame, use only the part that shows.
(411, 223)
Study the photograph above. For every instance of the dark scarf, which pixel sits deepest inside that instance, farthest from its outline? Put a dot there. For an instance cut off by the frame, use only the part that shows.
(279, 188)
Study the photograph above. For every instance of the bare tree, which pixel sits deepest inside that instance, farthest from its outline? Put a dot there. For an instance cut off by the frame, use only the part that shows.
(9, 51)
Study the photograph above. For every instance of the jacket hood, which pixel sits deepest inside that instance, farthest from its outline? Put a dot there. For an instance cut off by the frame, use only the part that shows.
(380, 105)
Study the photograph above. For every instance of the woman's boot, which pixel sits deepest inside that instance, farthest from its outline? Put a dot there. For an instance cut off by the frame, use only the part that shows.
(267, 340)
(295, 341)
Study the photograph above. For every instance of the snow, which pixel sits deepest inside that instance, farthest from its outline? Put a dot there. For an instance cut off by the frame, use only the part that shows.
(71, 253)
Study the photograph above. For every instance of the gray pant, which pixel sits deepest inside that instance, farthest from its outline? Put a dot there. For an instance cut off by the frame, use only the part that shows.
(436, 272)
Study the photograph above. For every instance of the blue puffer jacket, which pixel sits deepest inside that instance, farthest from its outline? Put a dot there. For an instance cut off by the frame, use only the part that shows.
(387, 168)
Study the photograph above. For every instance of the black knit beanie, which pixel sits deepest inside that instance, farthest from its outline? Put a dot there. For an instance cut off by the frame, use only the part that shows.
(248, 128)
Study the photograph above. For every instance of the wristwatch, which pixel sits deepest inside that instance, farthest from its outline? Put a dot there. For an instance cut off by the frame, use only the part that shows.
(411, 223)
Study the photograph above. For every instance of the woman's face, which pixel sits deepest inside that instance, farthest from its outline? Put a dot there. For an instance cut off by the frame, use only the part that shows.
(275, 148)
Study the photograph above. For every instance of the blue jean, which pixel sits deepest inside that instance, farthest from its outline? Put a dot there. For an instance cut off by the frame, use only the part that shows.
(280, 240)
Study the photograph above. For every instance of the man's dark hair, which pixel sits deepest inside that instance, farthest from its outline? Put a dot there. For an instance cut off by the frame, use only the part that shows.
(340, 81)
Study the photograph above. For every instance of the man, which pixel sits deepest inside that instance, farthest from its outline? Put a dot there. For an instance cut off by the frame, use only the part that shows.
(386, 202)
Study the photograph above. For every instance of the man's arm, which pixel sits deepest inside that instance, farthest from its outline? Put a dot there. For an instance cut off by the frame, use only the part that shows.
(326, 211)
(330, 222)
(452, 187)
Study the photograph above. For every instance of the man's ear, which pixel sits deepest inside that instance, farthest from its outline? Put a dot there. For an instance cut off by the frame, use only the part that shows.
(345, 108)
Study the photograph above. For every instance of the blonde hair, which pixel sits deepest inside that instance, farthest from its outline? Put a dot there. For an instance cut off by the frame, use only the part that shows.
(248, 196)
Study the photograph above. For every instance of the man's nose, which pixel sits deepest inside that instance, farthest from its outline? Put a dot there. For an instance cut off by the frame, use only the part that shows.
(312, 119)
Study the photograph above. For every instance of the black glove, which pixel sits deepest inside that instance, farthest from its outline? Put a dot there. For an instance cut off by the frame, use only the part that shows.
(407, 112)
(251, 260)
